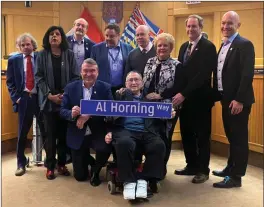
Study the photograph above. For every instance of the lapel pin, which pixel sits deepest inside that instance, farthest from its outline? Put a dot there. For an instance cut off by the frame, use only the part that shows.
(231, 48)
(94, 92)
(196, 49)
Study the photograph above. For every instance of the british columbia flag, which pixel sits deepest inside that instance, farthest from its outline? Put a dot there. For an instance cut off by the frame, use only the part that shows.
(138, 18)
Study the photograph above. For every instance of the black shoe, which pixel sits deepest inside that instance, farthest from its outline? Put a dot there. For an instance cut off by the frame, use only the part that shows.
(200, 178)
(95, 180)
(220, 173)
(228, 182)
(185, 171)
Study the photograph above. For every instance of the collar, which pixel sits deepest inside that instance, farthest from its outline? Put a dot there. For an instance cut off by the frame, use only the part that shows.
(230, 39)
(137, 97)
(31, 54)
(118, 45)
(87, 88)
(74, 40)
(148, 48)
(195, 42)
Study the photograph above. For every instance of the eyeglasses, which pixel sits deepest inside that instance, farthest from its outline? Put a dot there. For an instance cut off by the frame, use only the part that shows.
(130, 80)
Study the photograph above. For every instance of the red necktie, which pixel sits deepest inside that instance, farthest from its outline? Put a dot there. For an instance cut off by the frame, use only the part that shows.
(29, 74)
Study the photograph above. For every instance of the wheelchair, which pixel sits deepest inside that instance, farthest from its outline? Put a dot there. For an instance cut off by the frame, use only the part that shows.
(114, 185)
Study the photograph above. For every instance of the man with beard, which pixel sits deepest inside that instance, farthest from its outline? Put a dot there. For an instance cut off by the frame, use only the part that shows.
(80, 45)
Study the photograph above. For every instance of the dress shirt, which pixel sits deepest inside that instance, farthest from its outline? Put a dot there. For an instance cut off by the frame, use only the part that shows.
(147, 49)
(221, 60)
(79, 52)
(115, 60)
(34, 90)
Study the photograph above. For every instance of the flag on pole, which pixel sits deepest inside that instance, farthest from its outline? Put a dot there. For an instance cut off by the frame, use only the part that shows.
(93, 33)
(138, 18)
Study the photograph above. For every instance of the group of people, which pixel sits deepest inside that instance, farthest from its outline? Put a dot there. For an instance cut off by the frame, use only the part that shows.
(47, 84)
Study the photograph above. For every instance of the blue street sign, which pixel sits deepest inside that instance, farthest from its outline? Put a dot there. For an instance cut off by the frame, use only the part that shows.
(126, 108)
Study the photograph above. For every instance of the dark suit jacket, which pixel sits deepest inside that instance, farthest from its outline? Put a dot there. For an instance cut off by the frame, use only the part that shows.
(198, 73)
(88, 44)
(15, 77)
(45, 79)
(100, 55)
(73, 93)
(152, 125)
(237, 73)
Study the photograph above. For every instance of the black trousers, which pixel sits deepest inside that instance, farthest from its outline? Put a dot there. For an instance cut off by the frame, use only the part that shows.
(27, 108)
(236, 129)
(168, 139)
(195, 126)
(81, 158)
(125, 143)
(56, 129)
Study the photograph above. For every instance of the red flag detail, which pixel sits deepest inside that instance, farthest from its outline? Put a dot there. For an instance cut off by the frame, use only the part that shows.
(94, 33)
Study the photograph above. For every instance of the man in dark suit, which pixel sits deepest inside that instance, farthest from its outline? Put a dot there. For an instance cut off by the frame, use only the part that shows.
(78, 43)
(111, 57)
(138, 57)
(85, 131)
(199, 57)
(23, 93)
(233, 86)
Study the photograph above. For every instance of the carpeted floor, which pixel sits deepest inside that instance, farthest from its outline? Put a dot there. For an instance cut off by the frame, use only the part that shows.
(33, 189)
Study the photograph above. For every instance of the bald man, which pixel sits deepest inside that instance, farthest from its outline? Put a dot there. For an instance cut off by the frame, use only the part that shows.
(138, 57)
(80, 45)
(233, 87)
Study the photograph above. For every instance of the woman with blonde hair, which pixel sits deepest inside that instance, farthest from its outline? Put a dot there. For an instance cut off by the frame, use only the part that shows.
(163, 79)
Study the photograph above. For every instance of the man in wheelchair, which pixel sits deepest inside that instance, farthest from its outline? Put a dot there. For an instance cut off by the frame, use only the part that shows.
(128, 134)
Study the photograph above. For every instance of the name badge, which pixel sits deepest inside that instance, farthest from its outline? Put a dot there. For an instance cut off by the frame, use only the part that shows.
(114, 67)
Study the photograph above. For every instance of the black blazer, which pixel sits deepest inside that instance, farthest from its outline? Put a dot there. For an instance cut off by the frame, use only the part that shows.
(237, 73)
(198, 73)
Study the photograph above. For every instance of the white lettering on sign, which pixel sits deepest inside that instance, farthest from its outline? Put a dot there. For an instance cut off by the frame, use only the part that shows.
(139, 108)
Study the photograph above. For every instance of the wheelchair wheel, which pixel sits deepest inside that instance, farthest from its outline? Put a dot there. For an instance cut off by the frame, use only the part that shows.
(154, 187)
(111, 187)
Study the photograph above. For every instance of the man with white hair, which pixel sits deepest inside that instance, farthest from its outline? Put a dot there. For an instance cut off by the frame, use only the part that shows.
(80, 45)
(138, 57)
(233, 86)
(23, 93)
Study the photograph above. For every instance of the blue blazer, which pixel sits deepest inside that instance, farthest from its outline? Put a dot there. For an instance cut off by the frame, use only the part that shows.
(100, 55)
(73, 93)
(88, 44)
(15, 77)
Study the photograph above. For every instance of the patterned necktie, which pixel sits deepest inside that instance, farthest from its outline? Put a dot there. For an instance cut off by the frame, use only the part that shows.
(144, 51)
(188, 52)
(29, 74)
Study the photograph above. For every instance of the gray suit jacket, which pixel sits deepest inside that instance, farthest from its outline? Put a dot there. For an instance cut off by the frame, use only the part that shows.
(44, 75)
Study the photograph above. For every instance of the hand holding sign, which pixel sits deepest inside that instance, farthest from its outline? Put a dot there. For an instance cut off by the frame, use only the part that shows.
(173, 113)
(81, 121)
(75, 111)
(153, 96)
(108, 138)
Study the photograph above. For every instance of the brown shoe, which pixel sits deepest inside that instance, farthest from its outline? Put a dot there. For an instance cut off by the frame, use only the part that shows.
(200, 178)
(62, 170)
(20, 171)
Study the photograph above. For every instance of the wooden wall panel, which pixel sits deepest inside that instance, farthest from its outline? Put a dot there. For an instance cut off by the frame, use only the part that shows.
(36, 29)
(8, 117)
(180, 31)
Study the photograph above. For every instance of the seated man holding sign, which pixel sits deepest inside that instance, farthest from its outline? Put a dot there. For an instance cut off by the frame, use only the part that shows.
(86, 131)
(130, 132)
